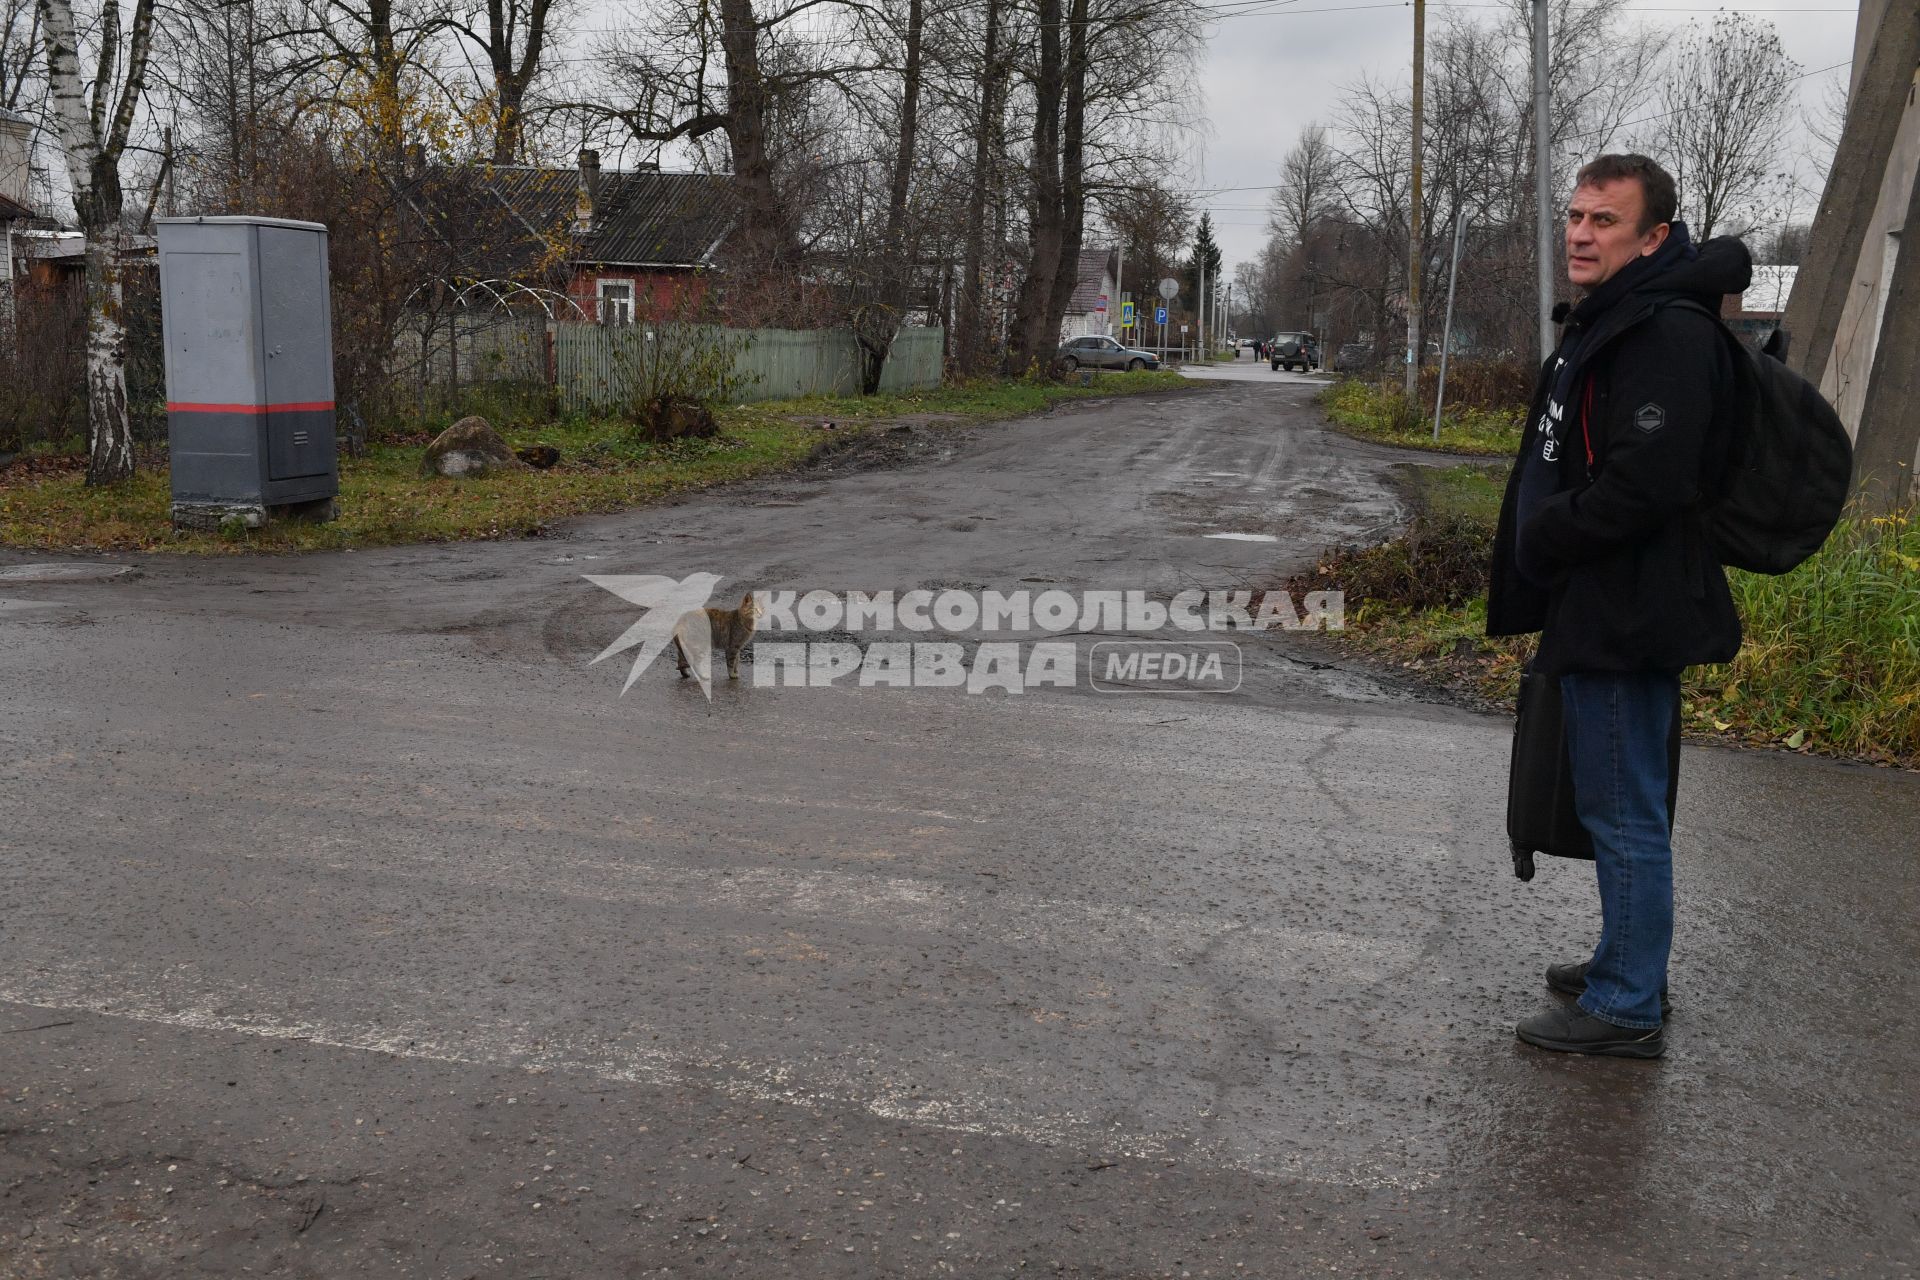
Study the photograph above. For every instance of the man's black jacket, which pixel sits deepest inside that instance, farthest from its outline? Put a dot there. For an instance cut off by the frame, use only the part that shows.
(1631, 583)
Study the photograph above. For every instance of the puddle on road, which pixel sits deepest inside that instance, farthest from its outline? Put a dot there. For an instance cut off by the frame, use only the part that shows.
(1242, 537)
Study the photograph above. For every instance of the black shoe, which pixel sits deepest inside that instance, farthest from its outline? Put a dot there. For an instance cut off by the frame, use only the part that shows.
(1575, 1031)
(1571, 980)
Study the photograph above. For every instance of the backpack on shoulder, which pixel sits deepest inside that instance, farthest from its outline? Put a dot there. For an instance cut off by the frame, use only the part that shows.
(1790, 468)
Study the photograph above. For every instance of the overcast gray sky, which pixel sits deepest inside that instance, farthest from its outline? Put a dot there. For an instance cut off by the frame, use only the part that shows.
(1271, 69)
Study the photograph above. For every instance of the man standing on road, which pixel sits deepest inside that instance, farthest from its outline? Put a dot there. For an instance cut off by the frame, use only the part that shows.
(1600, 548)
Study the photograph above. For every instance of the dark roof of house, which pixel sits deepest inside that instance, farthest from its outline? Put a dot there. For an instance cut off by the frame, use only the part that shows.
(14, 211)
(516, 215)
(1094, 265)
(642, 218)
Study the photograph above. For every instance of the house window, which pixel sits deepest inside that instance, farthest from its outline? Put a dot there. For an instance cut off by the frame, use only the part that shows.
(616, 301)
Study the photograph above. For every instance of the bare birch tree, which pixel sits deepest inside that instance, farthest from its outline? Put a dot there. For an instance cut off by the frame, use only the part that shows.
(1305, 192)
(93, 135)
(1727, 94)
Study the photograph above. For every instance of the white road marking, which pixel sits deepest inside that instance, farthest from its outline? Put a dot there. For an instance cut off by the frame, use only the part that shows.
(861, 1077)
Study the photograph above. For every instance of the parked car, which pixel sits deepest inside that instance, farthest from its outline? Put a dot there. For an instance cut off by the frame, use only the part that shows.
(1102, 353)
(1290, 349)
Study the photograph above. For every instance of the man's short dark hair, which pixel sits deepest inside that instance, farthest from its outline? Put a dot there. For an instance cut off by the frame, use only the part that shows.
(1656, 184)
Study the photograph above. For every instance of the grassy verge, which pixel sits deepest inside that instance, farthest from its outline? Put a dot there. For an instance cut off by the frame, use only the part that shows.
(1831, 663)
(1375, 412)
(45, 504)
(1832, 654)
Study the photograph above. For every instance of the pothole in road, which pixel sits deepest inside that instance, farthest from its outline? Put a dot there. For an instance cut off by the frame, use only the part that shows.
(64, 571)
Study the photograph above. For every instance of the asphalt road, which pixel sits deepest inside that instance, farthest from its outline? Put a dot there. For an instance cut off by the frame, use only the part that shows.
(354, 924)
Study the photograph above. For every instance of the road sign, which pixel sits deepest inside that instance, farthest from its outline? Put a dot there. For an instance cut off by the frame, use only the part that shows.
(1183, 326)
(1159, 315)
(1169, 288)
(1126, 313)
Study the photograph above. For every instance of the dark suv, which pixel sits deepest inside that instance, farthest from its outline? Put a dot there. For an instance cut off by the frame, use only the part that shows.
(1290, 349)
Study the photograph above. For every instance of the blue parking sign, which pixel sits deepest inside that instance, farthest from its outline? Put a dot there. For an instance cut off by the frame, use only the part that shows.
(1159, 315)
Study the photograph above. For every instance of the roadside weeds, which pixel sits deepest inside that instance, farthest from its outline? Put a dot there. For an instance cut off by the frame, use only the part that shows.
(1373, 411)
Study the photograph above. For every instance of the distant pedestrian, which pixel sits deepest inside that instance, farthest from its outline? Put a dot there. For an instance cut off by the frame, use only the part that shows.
(1600, 549)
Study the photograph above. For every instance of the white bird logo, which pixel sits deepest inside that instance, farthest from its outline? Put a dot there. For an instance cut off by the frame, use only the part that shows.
(666, 601)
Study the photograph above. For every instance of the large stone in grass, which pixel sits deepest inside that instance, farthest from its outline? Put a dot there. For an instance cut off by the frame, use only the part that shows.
(467, 449)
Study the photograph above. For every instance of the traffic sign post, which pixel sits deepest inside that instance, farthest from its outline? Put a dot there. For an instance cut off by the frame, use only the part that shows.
(1169, 290)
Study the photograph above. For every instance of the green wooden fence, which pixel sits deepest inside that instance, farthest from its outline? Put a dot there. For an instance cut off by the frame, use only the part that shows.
(592, 363)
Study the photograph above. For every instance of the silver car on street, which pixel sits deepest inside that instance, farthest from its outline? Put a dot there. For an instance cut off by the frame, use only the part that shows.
(1100, 352)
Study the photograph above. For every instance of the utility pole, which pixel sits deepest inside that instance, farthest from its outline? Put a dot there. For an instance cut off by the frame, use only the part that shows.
(1542, 179)
(1413, 204)
(1889, 433)
(1200, 319)
(1875, 107)
(1446, 332)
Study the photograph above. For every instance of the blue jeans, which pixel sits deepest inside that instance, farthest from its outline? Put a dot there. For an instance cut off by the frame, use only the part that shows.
(1617, 724)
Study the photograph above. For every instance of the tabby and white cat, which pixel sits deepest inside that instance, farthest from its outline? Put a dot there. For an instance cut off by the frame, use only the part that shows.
(727, 629)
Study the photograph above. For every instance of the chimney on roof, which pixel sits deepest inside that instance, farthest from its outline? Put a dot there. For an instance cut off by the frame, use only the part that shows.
(588, 199)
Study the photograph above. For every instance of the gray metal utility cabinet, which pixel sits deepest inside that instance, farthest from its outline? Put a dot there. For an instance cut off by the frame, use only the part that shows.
(249, 349)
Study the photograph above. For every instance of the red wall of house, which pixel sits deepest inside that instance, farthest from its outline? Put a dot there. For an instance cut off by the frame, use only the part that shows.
(654, 292)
